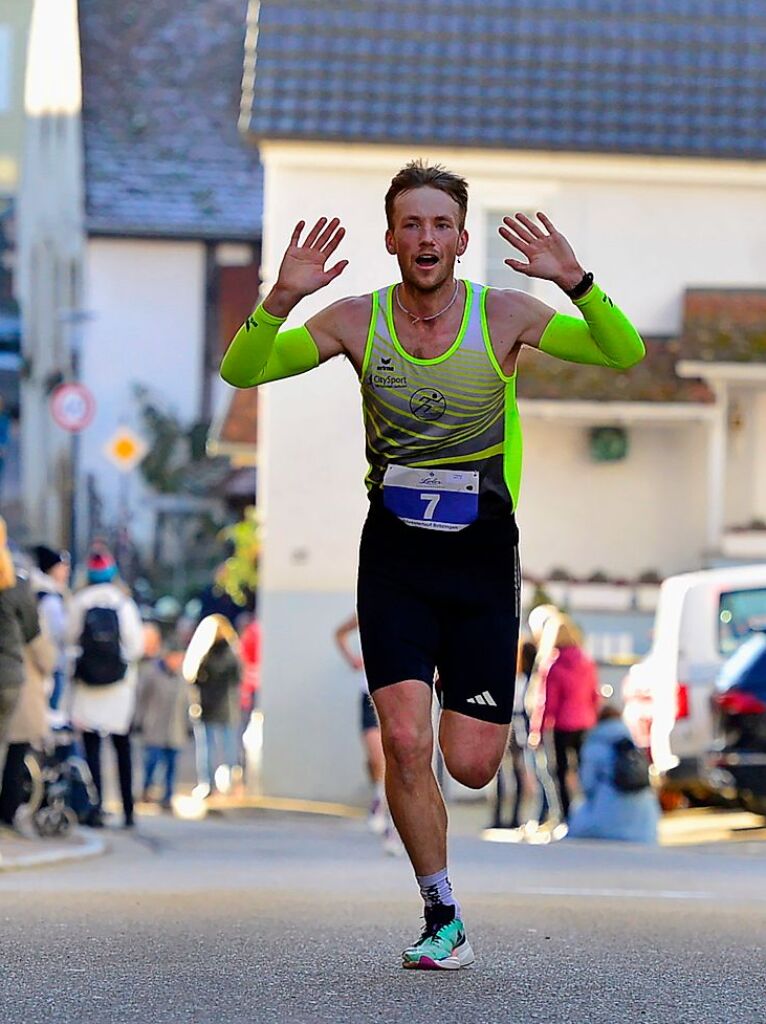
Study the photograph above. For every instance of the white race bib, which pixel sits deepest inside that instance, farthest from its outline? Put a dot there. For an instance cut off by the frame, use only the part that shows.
(433, 499)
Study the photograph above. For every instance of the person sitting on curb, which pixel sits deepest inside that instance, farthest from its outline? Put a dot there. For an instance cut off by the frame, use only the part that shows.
(619, 801)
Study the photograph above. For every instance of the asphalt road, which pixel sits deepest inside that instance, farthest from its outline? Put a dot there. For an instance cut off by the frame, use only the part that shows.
(280, 918)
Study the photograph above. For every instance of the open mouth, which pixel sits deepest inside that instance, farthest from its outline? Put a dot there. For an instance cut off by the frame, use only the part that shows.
(427, 260)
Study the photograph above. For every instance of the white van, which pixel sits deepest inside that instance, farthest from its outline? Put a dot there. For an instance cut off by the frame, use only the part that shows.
(701, 619)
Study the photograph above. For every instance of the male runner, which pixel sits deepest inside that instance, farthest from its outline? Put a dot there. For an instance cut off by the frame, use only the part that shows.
(439, 576)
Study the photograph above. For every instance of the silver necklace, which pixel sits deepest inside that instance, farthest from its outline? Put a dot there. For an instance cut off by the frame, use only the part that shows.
(424, 319)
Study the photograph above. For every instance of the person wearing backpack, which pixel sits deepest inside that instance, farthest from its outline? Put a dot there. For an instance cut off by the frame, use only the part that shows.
(619, 800)
(106, 630)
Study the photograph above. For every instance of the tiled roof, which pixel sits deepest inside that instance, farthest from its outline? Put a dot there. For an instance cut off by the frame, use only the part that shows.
(652, 380)
(239, 426)
(724, 325)
(674, 77)
(161, 97)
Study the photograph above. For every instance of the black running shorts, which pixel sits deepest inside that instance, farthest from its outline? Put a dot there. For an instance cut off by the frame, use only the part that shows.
(367, 718)
(449, 602)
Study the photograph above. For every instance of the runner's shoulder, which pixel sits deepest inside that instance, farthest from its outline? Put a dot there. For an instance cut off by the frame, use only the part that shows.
(347, 319)
(507, 302)
(509, 306)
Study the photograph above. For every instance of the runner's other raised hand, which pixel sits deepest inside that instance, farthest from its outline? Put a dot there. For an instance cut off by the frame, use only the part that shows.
(302, 270)
(549, 255)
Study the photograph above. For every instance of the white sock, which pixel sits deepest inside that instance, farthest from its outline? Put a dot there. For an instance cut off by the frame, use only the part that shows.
(437, 889)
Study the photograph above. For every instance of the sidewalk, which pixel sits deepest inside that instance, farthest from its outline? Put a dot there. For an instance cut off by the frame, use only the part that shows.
(18, 852)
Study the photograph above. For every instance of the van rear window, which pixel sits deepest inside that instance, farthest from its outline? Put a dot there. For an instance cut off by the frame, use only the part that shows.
(740, 613)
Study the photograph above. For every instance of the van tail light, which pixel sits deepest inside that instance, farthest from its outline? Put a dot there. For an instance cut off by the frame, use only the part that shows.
(737, 703)
(682, 701)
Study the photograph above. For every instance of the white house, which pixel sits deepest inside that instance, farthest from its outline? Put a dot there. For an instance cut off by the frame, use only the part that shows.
(140, 236)
(638, 133)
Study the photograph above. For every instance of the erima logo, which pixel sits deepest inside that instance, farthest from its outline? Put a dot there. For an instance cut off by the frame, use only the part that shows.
(251, 323)
(385, 365)
(483, 698)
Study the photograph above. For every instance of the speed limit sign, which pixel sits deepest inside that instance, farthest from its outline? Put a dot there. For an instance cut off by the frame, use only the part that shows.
(72, 407)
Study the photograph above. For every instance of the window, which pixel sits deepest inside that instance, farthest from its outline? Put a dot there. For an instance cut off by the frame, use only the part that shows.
(741, 613)
(498, 274)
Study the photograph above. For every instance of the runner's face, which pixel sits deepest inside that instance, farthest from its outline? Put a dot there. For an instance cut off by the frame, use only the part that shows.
(426, 237)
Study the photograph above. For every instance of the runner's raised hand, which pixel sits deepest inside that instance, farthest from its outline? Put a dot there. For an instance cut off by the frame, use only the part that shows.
(302, 270)
(549, 255)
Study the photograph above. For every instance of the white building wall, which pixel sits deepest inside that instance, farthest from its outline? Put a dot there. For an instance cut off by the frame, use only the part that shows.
(759, 415)
(644, 227)
(145, 302)
(49, 256)
(743, 455)
(646, 512)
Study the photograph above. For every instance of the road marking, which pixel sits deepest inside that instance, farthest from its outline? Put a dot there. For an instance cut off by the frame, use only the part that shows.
(659, 894)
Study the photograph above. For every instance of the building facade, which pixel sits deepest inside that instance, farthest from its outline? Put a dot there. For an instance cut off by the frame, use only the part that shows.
(150, 236)
(628, 152)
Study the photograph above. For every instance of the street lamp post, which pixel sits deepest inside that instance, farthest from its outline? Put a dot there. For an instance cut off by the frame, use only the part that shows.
(73, 320)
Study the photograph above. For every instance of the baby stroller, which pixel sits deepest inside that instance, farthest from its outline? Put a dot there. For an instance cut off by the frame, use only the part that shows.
(59, 788)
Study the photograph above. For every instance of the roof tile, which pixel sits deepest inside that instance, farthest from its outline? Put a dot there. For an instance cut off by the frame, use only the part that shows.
(161, 96)
(724, 325)
(675, 77)
(652, 380)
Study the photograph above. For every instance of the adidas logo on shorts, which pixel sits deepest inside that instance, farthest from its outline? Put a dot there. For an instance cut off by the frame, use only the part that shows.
(483, 698)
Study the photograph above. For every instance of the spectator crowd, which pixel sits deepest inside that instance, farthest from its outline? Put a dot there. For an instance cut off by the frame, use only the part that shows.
(570, 753)
(80, 667)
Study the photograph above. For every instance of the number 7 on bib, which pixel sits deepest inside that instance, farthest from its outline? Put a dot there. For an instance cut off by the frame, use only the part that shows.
(432, 499)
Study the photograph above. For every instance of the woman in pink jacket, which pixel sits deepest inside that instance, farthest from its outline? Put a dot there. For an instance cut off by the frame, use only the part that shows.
(568, 701)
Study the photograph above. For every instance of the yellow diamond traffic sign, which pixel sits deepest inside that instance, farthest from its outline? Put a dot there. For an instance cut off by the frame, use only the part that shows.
(125, 449)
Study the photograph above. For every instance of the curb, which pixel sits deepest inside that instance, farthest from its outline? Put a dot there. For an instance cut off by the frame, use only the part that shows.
(89, 847)
(186, 806)
(293, 805)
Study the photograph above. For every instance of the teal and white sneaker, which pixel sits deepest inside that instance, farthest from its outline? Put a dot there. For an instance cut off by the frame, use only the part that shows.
(443, 946)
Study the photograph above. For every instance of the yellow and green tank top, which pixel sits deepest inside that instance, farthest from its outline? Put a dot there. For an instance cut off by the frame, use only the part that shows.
(457, 411)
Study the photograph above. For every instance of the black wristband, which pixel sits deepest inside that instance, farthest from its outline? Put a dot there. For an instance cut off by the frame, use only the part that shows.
(581, 287)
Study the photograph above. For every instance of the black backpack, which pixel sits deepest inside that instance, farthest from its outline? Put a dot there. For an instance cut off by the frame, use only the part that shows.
(100, 662)
(631, 768)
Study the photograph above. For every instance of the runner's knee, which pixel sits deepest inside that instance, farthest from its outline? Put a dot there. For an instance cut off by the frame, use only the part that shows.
(407, 748)
(474, 771)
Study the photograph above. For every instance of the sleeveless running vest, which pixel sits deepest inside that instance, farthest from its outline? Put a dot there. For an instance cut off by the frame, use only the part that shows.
(457, 411)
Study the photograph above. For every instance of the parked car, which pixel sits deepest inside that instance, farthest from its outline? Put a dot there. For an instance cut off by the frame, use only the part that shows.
(736, 765)
(702, 618)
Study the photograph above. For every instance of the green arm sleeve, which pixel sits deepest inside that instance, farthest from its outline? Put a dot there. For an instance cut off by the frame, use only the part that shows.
(260, 352)
(606, 338)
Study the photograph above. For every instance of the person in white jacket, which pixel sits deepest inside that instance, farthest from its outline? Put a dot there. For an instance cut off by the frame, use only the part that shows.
(105, 628)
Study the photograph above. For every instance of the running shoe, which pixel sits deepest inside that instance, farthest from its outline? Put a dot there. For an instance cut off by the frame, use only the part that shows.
(377, 818)
(392, 844)
(443, 946)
